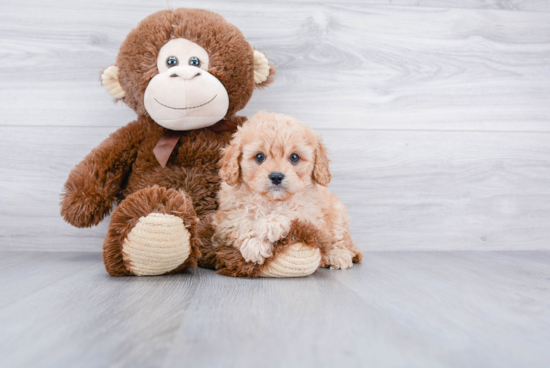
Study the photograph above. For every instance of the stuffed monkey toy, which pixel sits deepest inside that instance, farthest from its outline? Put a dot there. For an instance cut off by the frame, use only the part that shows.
(186, 73)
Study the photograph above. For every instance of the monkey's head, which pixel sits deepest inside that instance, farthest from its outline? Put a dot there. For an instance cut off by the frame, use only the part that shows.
(186, 69)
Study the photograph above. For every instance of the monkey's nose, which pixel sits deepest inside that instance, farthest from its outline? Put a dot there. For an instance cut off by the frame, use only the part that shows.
(276, 177)
(185, 72)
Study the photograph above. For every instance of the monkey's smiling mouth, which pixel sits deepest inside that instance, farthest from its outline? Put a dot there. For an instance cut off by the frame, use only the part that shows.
(186, 108)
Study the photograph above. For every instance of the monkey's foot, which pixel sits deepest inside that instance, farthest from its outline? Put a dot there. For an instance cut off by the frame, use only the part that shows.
(152, 232)
(296, 260)
(298, 255)
(158, 244)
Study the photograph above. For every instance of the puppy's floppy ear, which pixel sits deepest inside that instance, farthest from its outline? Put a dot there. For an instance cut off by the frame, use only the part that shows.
(109, 79)
(263, 72)
(321, 173)
(230, 170)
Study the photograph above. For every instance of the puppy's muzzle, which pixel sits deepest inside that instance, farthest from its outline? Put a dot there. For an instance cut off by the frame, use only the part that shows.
(276, 177)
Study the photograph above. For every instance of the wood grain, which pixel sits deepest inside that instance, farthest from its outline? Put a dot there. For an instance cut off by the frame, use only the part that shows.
(413, 190)
(416, 102)
(367, 66)
(406, 309)
(24, 273)
(514, 5)
(83, 316)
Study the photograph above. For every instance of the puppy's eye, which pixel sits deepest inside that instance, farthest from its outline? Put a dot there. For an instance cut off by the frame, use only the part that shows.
(294, 158)
(194, 61)
(171, 61)
(260, 158)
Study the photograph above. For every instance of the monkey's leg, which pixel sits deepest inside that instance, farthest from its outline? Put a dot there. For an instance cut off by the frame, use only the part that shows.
(297, 255)
(208, 252)
(152, 232)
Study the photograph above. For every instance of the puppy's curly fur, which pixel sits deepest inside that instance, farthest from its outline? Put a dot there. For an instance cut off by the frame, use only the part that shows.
(256, 213)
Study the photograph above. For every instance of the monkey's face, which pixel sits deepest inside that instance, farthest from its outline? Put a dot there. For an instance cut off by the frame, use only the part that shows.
(184, 95)
(186, 69)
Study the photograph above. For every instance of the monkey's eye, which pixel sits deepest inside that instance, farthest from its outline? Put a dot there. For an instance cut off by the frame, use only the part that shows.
(260, 158)
(194, 61)
(171, 61)
(294, 158)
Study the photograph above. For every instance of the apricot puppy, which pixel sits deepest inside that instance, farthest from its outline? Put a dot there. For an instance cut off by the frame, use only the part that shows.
(274, 171)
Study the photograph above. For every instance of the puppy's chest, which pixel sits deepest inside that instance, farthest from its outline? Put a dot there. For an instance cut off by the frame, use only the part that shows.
(288, 209)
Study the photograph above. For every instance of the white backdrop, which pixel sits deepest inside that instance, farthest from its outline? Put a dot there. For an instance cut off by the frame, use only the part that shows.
(437, 113)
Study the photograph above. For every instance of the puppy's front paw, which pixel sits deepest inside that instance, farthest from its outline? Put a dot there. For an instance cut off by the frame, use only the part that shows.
(275, 228)
(256, 250)
(276, 233)
(339, 259)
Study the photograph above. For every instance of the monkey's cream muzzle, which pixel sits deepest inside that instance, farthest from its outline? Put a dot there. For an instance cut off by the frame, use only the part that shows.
(186, 98)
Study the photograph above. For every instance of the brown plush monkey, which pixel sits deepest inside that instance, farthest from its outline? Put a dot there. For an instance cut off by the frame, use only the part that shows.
(186, 73)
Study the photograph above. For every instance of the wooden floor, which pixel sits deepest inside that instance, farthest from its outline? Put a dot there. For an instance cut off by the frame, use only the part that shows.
(397, 309)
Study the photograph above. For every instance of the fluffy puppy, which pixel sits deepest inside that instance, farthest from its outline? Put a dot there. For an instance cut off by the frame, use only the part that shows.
(274, 171)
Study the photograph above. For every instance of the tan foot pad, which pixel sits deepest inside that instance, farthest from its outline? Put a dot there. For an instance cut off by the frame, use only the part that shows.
(297, 261)
(157, 244)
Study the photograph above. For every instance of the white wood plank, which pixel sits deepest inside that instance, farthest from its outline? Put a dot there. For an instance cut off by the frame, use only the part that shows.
(472, 294)
(406, 309)
(406, 190)
(24, 273)
(514, 5)
(305, 322)
(457, 312)
(444, 190)
(368, 66)
(525, 5)
(93, 320)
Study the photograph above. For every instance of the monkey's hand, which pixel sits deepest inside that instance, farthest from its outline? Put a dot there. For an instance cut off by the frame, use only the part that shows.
(96, 182)
(83, 202)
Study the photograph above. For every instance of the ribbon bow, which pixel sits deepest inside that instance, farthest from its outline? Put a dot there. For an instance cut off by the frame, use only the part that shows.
(168, 141)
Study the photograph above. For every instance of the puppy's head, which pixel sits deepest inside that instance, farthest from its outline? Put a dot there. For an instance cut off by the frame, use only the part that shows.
(275, 156)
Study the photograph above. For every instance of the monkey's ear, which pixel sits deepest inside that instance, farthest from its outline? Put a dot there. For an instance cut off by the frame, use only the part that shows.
(263, 72)
(321, 172)
(230, 168)
(109, 79)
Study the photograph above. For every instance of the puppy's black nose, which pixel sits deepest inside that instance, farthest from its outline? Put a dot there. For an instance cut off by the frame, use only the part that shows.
(276, 177)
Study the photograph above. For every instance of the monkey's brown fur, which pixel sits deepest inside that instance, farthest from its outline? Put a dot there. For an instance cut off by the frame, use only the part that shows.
(123, 168)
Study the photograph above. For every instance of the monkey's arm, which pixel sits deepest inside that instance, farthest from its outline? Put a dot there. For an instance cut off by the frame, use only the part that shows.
(95, 182)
